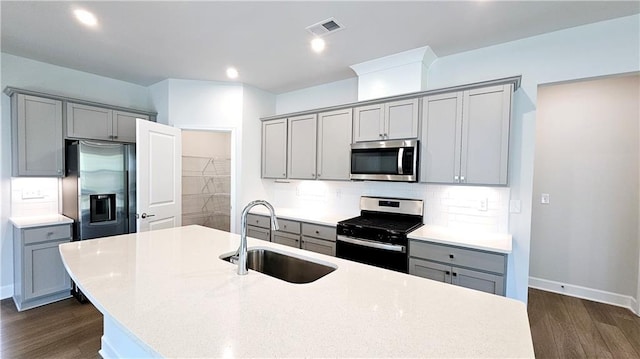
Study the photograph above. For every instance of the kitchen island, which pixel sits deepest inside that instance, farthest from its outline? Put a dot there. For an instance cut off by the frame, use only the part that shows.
(166, 293)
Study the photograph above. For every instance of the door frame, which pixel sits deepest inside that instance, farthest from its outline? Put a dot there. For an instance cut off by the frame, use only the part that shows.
(234, 155)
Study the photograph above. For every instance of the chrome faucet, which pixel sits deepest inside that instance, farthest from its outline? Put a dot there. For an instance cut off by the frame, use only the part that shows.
(241, 253)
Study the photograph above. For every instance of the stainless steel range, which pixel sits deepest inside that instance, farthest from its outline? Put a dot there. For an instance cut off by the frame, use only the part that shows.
(379, 235)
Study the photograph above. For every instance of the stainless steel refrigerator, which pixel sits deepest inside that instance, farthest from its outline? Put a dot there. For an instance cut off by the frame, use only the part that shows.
(99, 188)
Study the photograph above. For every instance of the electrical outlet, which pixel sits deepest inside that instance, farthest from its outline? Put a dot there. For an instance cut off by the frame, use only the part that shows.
(31, 194)
(544, 198)
(483, 205)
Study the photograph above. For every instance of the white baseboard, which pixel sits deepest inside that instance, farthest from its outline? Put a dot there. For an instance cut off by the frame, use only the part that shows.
(595, 295)
(6, 291)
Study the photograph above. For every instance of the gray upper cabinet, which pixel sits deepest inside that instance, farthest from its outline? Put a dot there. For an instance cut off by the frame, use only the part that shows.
(98, 123)
(465, 136)
(441, 135)
(274, 148)
(486, 115)
(37, 140)
(124, 125)
(302, 147)
(89, 122)
(368, 123)
(386, 121)
(334, 145)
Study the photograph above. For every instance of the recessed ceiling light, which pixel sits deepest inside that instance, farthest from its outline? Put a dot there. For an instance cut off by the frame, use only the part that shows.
(232, 73)
(85, 17)
(317, 44)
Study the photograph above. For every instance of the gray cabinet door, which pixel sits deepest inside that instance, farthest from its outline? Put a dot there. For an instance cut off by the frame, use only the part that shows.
(430, 270)
(486, 282)
(441, 130)
(291, 240)
(318, 246)
(274, 148)
(302, 147)
(37, 140)
(401, 119)
(485, 135)
(89, 122)
(124, 126)
(334, 144)
(368, 123)
(44, 272)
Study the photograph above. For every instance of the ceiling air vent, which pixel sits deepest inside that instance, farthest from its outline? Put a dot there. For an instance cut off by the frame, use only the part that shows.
(325, 27)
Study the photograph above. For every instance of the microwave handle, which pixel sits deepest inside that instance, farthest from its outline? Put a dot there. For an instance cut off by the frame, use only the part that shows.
(400, 157)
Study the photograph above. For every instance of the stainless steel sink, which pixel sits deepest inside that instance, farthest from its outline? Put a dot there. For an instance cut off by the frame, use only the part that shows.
(282, 266)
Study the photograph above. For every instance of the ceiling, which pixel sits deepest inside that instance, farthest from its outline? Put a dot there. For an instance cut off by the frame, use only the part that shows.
(146, 41)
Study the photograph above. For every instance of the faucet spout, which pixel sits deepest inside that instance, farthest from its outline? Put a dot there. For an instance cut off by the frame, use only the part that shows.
(242, 250)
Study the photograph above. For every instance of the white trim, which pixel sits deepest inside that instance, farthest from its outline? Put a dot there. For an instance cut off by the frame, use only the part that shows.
(577, 291)
(6, 291)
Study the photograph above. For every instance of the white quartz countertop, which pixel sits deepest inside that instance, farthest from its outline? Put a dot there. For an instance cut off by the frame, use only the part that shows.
(40, 221)
(171, 292)
(306, 215)
(493, 242)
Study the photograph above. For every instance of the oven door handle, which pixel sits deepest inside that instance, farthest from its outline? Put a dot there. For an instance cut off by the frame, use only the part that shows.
(372, 244)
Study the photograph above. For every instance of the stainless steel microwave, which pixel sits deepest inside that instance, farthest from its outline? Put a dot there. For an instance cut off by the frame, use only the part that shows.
(385, 161)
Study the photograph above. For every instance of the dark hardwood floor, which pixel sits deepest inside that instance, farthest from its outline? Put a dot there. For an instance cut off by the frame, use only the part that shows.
(568, 327)
(65, 329)
(561, 327)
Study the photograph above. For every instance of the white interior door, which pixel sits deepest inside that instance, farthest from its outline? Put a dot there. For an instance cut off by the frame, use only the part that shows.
(158, 176)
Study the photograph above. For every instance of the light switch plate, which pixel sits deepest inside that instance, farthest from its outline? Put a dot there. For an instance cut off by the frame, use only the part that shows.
(514, 206)
(544, 198)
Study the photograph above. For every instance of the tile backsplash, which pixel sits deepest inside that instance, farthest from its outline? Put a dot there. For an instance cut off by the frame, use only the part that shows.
(34, 196)
(473, 208)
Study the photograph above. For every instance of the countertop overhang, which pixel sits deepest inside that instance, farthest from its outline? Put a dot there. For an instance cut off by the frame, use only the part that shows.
(172, 293)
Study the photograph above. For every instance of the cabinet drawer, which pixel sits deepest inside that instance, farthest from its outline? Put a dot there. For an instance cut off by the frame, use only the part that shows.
(318, 246)
(258, 221)
(324, 232)
(291, 240)
(259, 233)
(43, 234)
(491, 262)
(289, 226)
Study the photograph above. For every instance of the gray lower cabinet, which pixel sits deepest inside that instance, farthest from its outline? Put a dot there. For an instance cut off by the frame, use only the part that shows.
(39, 275)
(37, 145)
(480, 270)
(259, 227)
(319, 239)
(288, 234)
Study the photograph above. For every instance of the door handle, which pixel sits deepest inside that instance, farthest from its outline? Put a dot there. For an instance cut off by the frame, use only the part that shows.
(144, 215)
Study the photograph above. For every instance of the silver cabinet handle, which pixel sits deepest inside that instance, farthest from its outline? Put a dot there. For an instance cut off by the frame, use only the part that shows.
(456, 179)
(461, 178)
(372, 244)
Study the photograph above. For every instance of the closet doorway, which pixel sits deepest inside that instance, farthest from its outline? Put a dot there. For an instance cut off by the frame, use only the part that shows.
(206, 178)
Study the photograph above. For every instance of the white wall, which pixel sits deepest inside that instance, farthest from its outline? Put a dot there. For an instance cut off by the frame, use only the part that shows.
(256, 104)
(587, 157)
(330, 94)
(208, 105)
(604, 48)
(38, 76)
